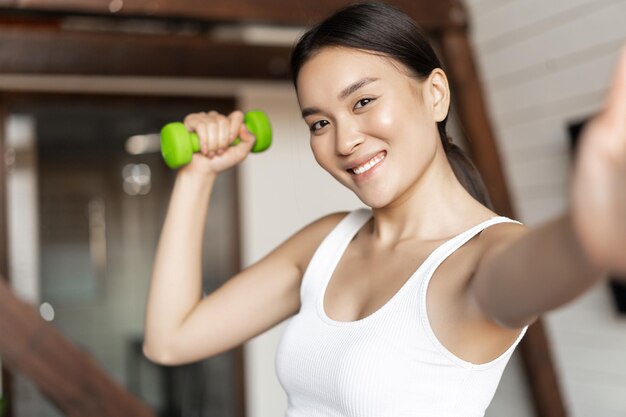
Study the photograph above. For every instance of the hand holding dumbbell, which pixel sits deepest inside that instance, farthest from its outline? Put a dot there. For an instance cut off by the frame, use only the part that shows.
(178, 144)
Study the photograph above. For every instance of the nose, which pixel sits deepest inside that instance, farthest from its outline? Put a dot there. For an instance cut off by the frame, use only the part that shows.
(348, 138)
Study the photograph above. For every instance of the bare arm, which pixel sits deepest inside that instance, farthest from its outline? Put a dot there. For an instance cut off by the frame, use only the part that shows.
(522, 275)
(529, 272)
(181, 326)
(176, 284)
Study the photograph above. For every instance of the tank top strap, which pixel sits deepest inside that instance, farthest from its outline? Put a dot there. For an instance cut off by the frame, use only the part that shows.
(329, 252)
(449, 247)
(437, 258)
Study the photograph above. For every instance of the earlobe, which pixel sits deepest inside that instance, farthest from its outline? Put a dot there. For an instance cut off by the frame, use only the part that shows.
(440, 94)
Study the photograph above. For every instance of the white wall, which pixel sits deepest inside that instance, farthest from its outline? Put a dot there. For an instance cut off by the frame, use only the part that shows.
(545, 64)
(22, 216)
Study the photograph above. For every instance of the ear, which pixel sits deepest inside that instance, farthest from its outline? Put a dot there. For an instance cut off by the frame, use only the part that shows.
(438, 91)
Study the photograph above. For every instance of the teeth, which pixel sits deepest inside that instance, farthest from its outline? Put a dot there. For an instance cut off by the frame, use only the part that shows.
(368, 165)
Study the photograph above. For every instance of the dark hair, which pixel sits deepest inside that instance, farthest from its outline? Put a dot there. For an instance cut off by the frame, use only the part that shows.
(385, 30)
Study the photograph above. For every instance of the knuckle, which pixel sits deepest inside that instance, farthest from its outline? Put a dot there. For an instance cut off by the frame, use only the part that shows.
(222, 120)
(190, 119)
(201, 127)
(236, 116)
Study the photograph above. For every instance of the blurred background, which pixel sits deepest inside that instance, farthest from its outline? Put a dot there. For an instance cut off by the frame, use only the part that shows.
(85, 87)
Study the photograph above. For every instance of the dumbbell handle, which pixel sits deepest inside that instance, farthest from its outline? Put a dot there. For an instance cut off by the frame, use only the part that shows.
(178, 144)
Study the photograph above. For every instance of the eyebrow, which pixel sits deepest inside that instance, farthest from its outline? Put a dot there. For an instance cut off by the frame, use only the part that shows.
(342, 95)
(355, 86)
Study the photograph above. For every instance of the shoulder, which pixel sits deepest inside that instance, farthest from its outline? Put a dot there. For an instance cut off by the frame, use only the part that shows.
(323, 225)
(500, 235)
(305, 241)
(491, 238)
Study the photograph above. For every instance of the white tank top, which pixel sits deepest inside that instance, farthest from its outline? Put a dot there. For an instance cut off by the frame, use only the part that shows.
(388, 364)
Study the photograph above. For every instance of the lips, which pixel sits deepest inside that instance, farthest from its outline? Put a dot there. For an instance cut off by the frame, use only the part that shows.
(365, 164)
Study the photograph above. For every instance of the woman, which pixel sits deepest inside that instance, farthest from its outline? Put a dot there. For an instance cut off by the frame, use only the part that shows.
(414, 305)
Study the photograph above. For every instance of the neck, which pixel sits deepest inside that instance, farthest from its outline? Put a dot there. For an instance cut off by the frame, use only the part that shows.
(435, 207)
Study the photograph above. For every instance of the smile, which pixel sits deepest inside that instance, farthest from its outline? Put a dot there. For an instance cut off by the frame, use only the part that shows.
(369, 164)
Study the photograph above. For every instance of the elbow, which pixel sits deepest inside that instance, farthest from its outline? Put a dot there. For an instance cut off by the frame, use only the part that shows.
(160, 356)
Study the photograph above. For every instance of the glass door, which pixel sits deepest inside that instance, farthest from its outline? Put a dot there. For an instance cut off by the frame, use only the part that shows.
(88, 192)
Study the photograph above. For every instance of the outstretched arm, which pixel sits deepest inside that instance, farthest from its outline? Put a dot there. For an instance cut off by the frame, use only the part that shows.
(530, 272)
(527, 273)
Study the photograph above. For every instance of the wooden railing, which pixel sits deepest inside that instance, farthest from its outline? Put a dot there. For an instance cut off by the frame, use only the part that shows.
(69, 377)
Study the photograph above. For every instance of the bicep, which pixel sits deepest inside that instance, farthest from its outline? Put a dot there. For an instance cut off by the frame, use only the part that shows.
(536, 272)
(253, 301)
(246, 305)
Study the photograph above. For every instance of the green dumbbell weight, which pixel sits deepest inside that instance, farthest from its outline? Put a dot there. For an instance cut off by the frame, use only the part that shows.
(178, 144)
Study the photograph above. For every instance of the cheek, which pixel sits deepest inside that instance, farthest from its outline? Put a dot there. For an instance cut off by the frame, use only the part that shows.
(324, 154)
(398, 120)
(423, 142)
(321, 152)
(384, 119)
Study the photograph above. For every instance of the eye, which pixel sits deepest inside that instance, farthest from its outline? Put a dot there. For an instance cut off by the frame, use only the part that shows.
(318, 125)
(363, 102)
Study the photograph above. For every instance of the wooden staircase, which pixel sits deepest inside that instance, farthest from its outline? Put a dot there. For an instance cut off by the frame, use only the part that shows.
(68, 376)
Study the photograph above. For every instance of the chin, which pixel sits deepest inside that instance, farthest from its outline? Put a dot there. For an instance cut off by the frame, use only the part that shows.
(375, 202)
(371, 196)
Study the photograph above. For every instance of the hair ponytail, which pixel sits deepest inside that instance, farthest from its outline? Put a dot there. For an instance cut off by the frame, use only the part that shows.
(463, 167)
(386, 30)
(467, 174)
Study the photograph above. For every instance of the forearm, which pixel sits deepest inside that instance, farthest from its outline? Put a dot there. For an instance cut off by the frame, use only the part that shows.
(176, 284)
(541, 270)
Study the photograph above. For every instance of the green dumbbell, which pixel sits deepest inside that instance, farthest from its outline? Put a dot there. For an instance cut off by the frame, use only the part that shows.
(178, 144)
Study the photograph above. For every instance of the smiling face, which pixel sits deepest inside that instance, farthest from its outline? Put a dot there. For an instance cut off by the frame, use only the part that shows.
(373, 125)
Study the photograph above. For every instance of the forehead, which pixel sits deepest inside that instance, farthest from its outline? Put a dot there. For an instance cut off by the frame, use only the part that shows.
(333, 68)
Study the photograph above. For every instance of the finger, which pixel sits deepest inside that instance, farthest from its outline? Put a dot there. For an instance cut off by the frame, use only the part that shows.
(224, 132)
(243, 148)
(201, 130)
(190, 121)
(235, 120)
(615, 107)
(213, 136)
(195, 122)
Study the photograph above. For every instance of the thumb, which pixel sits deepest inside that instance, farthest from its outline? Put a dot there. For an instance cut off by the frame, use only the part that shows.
(247, 138)
(615, 106)
(246, 141)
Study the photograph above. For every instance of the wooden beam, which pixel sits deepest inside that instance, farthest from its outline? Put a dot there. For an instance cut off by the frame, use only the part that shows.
(468, 98)
(7, 380)
(65, 374)
(4, 170)
(540, 372)
(45, 50)
(432, 15)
